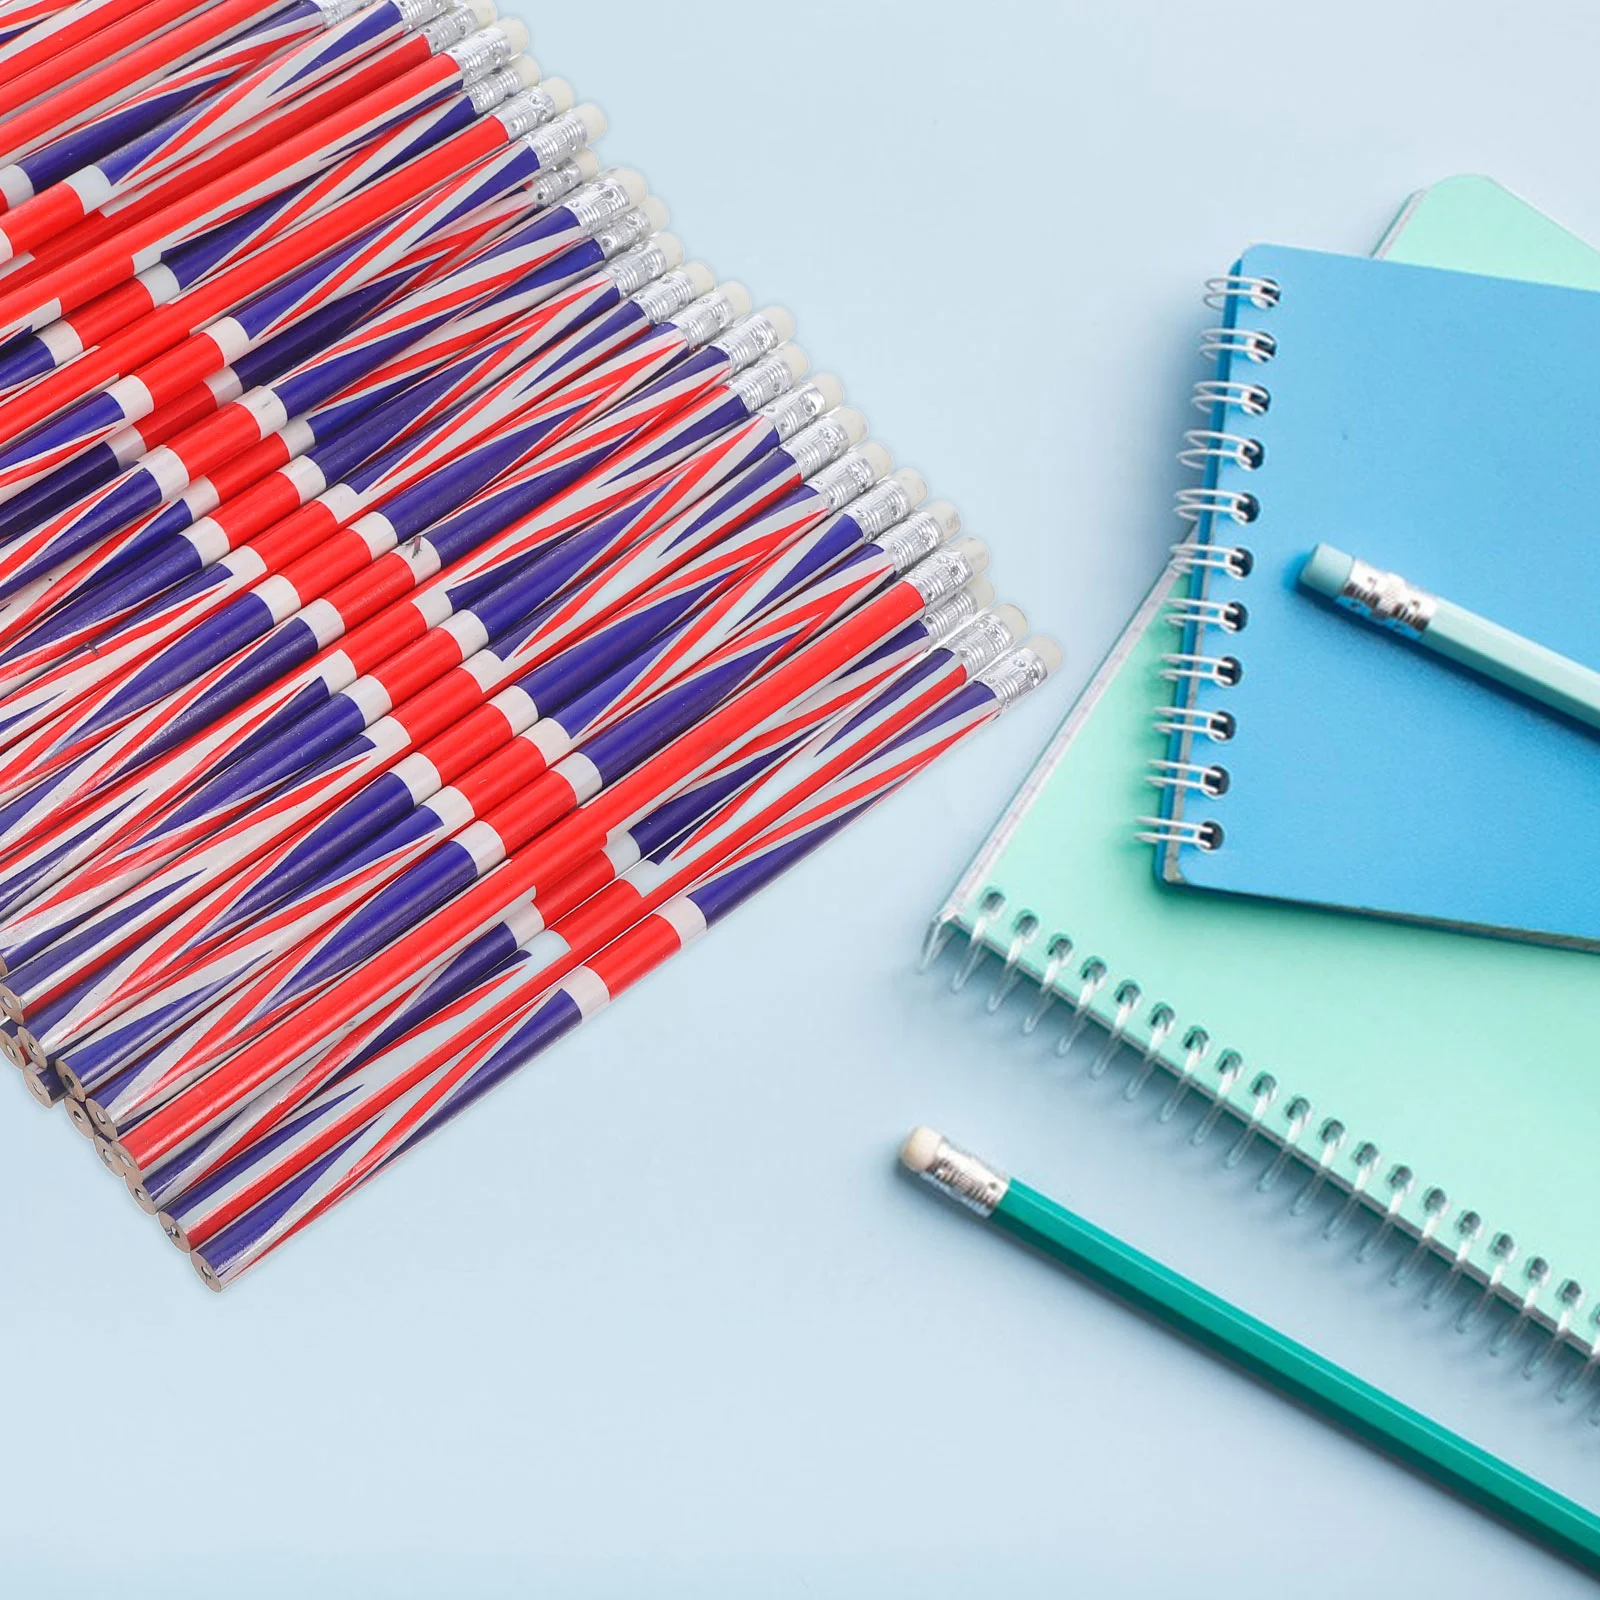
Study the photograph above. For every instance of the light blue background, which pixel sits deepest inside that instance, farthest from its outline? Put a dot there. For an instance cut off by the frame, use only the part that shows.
(660, 1318)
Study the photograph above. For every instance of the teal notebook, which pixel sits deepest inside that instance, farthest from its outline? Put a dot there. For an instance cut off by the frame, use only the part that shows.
(1436, 1074)
(1439, 424)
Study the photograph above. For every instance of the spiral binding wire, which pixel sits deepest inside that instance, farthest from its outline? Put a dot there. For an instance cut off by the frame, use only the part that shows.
(1201, 616)
(1298, 1139)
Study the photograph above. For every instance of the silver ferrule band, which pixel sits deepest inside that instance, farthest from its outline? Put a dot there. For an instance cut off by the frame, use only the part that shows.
(641, 268)
(550, 140)
(597, 203)
(746, 342)
(763, 383)
(842, 482)
(659, 300)
(1387, 598)
(554, 183)
(943, 619)
(1014, 675)
(911, 540)
(481, 53)
(493, 89)
(702, 320)
(981, 643)
(939, 575)
(449, 29)
(796, 411)
(818, 445)
(621, 233)
(966, 1179)
(885, 506)
(412, 13)
(336, 11)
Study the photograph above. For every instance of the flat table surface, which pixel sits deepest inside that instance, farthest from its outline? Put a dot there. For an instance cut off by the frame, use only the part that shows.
(660, 1316)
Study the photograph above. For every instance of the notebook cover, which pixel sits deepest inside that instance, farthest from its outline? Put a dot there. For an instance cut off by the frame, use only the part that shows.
(1464, 1059)
(1439, 424)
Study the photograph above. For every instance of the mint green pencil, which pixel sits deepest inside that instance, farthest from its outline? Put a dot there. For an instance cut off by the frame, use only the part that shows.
(1247, 1342)
(1464, 637)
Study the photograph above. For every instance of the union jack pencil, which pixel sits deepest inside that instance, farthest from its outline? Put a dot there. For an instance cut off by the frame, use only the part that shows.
(194, 1111)
(51, 292)
(452, 747)
(565, 249)
(169, 97)
(365, 1121)
(415, 1000)
(364, 598)
(258, 134)
(188, 111)
(202, 330)
(97, 68)
(282, 511)
(597, 478)
(155, 1077)
(34, 29)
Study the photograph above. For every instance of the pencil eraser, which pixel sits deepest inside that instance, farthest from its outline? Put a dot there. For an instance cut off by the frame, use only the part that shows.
(516, 32)
(1047, 650)
(920, 1150)
(855, 429)
(782, 322)
(483, 11)
(655, 212)
(795, 359)
(527, 71)
(876, 457)
(592, 117)
(588, 164)
(946, 515)
(699, 275)
(981, 590)
(912, 483)
(829, 390)
(738, 298)
(1327, 571)
(671, 248)
(974, 551)
(560, 92)
(630, 182)
(1012, 619)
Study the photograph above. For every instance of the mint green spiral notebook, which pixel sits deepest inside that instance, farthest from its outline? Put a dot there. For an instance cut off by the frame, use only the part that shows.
(1447, 1080)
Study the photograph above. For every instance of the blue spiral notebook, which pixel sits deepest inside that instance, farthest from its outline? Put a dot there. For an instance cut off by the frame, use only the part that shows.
(1438, 424)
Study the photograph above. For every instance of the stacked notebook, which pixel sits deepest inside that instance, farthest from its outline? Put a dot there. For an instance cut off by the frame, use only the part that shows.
(1368, 918)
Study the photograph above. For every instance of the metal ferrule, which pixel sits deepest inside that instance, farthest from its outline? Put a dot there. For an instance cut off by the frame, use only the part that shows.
(597, 203)
(449, 29)
(939, 575)
(911, 540)
(942, 620)
(841, 483)
(1014, 675)
(763, 383)
(492, 90)
(981, 642)
(702, 320)
(621, 233)
(818, 445)
(795, 411)
(413, 13)
(882, 508)
(554, 183)
(335, 11)
(481, 53)
(641, 268)
(660, 299)
(746, 342)
(966, 1179)
(559, 140)
(1388, 599)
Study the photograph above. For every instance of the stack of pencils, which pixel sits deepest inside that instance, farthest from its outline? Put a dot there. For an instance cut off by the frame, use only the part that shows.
(427, 601)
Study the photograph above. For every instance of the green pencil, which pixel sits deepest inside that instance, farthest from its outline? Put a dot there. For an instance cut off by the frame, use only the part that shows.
(1561, 1524)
